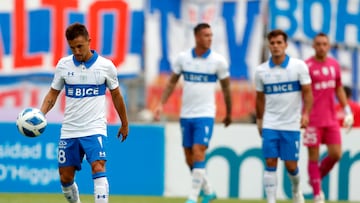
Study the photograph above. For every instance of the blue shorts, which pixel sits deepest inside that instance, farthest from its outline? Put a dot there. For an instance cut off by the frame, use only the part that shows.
(281, 143)
(196, 131)
(71, 151)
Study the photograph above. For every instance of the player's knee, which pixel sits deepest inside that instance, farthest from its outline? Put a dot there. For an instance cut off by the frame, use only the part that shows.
(65, 179)
(98, 166)
(335, 156)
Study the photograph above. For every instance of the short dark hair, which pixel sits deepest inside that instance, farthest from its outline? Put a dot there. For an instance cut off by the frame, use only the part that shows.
(200, 26)
(75, 30)
(321, 34)
(276, 33)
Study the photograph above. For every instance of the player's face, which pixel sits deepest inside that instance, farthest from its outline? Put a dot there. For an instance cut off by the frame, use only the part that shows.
(204, 38)
(321, 46)
(277, 46)
(80, 47)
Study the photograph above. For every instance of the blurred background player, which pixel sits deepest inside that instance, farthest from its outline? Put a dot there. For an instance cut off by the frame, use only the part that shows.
(201, 68)
(323, 126)
(354, 106)
(85, 76)
(281, 82)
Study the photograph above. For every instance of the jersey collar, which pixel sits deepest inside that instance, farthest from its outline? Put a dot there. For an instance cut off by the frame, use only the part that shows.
(89, 62)
(283, 64)
(205, 55)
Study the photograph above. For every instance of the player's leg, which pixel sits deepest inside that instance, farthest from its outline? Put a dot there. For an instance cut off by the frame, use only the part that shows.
(203, 129)
(270, 151)
(206, 187)
(94, 147)
(312, 140)
(289, 152)
(333, 142)
(70, 155)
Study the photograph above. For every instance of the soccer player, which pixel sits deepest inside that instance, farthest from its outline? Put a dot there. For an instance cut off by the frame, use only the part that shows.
(85, 76)
(280, 83)
(323, 126)
(201, 67)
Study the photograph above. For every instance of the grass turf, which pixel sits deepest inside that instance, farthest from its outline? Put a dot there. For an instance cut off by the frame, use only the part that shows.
(58, 198)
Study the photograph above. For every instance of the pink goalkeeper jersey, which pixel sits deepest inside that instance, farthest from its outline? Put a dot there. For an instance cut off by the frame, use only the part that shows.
(325, 78)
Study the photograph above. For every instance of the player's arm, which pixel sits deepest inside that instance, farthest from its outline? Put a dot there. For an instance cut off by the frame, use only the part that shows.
(260, 109)
(225, 86)
(169, 88)
(49, 100)
(120, 107)
(341, 96)
(307, 104)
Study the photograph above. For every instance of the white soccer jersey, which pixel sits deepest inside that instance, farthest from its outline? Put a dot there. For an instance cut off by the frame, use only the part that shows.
(200, 76)
(85, 86)
(282, 88)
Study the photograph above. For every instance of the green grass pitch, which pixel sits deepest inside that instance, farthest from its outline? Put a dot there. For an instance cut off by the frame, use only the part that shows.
(58, 198)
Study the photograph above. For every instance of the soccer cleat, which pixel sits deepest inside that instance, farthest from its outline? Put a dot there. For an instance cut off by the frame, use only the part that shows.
(298, 197)
(319, 198)
(207, 198)
(190, 201)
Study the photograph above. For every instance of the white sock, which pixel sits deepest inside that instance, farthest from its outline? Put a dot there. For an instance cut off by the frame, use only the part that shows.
(101, 190)
(270, 186)
(197, 181)
(206, 187)
(295, 182)
(71, 193)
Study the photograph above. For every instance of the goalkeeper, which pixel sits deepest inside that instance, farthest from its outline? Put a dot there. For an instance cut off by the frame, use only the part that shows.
(323, 126)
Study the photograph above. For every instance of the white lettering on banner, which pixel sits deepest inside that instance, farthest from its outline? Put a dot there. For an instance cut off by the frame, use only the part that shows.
(18, 151)
(51, 151)
(35, 176)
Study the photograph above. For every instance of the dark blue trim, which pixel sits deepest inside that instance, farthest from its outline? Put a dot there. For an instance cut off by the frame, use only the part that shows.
(199, 77)
(205, 55)
(99, 175)
(89, 62)
(199, 164)
(81, 91)
(294, 173)
(282, 87)
(270, 169)
(284, 64)
(67, 184)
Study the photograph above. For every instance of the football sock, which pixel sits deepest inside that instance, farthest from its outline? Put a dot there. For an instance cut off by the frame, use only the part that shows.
(315, 178)
(206, 186)
(71, 192)
(270, 184)
(295, 180)
(197, 175)
(326, 165)
(101, 189)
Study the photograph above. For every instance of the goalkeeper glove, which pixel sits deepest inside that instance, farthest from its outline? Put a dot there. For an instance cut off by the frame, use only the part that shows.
(349, 117)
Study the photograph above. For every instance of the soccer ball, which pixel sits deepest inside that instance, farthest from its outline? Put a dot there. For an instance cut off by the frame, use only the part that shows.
(31, 122)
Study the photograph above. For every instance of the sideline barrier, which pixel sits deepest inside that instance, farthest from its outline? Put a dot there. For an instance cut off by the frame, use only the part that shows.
(135, 167)
(235, 166)
(151, 162)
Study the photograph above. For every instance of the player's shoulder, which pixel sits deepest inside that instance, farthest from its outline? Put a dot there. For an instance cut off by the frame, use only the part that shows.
(65, 62)
(293, 60)
(104, 61)
(332, 60)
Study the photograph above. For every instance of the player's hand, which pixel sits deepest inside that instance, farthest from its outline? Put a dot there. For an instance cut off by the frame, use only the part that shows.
(304, 120)
(123, 132)
(348, 121)
(259, 123)
(157, 112)
(227, 121)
